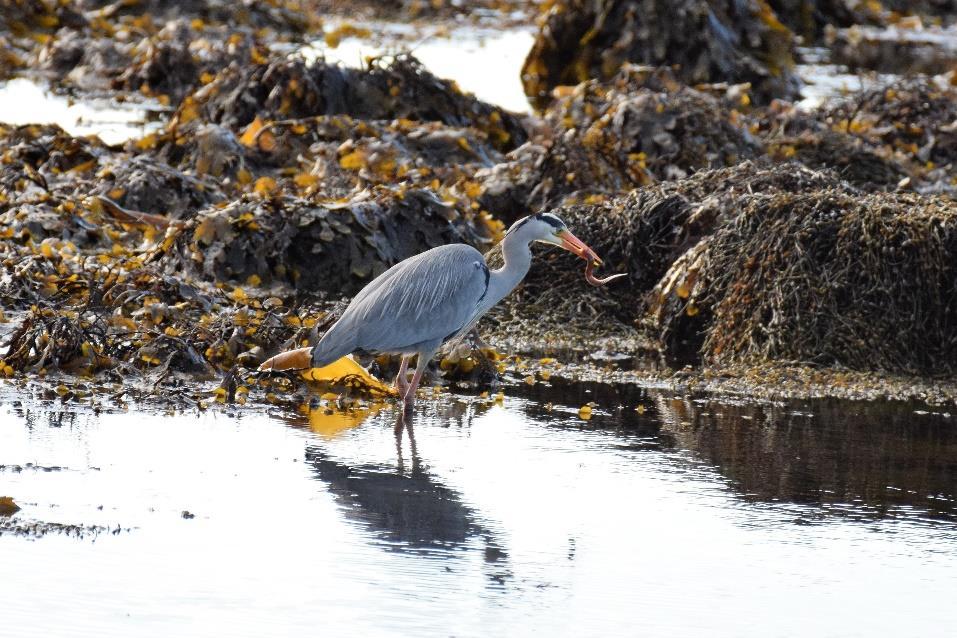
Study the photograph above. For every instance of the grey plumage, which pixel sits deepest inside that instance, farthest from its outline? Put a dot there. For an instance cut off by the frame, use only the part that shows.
(413, 307)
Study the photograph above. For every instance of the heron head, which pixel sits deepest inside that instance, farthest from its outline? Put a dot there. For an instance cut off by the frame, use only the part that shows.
(548, 228)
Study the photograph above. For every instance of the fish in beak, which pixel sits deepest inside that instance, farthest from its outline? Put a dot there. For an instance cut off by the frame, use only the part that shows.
(574, 245)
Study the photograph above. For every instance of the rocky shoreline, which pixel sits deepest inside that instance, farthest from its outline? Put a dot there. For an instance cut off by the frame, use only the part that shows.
(772, 250)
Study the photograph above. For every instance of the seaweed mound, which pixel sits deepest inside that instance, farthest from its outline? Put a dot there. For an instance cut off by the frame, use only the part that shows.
(914, 117)
(161, 48)
(642, 234)
(640, 127)
(397, 88)
(639, 234)
(819, 142)
(143, 184)
(761, 262)
(332, 246)
(823, 276)
(733, 41)
(945, 9)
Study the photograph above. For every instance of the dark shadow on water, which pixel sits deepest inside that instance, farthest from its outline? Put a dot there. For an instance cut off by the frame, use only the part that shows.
(852, 459)
(866, 460)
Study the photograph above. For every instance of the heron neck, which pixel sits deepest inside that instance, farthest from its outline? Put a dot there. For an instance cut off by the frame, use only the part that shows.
(518, 259)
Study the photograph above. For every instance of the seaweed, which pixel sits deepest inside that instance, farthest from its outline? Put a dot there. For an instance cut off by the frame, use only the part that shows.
(332, 246)
(398, 87)
(823, 276)
(605, 137)
(811, 18)
(736, 41)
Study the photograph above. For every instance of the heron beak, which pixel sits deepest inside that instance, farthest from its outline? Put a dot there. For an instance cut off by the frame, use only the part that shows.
(574, 245)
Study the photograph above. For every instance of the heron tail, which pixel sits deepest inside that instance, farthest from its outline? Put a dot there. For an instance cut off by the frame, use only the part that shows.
(298, 359)
(330, 349)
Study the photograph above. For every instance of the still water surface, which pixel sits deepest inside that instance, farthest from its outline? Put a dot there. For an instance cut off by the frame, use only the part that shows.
(706, 517)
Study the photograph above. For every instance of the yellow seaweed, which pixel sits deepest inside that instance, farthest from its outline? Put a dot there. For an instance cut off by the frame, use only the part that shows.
(346, 370)
(329, 422)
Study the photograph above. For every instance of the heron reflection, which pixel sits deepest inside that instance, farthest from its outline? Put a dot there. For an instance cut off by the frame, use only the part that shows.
(405, 505)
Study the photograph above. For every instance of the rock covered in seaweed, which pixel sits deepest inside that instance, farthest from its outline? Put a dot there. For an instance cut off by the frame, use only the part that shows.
(810, 18)
(914, 118)
(762, 262)
(793, 134)
(158, 48)
(642, 233)
(387, 89)
(822, 275)
(332, 246)
(607, 137)
(732, 41)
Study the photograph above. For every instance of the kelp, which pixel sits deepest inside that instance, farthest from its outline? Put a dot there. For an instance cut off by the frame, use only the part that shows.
(913, 118)
(642, 233)
(332, 246)
(817, 141)
(398, 87)
(824, 276)
(605, 137)
(735, 41)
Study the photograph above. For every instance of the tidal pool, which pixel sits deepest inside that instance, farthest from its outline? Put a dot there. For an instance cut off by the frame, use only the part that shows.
(692, 516)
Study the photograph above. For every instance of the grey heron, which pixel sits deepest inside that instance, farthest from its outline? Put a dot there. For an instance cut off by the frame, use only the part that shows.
(434, 297)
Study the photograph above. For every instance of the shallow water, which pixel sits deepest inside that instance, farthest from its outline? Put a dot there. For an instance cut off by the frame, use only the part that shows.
(695, 517)
(25, 101)
(482, 61)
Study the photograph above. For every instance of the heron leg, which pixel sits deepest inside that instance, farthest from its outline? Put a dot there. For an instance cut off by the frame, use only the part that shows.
(420, 366)
(401, 382)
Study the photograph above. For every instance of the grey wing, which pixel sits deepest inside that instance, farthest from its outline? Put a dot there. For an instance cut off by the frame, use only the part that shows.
(424, 299)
